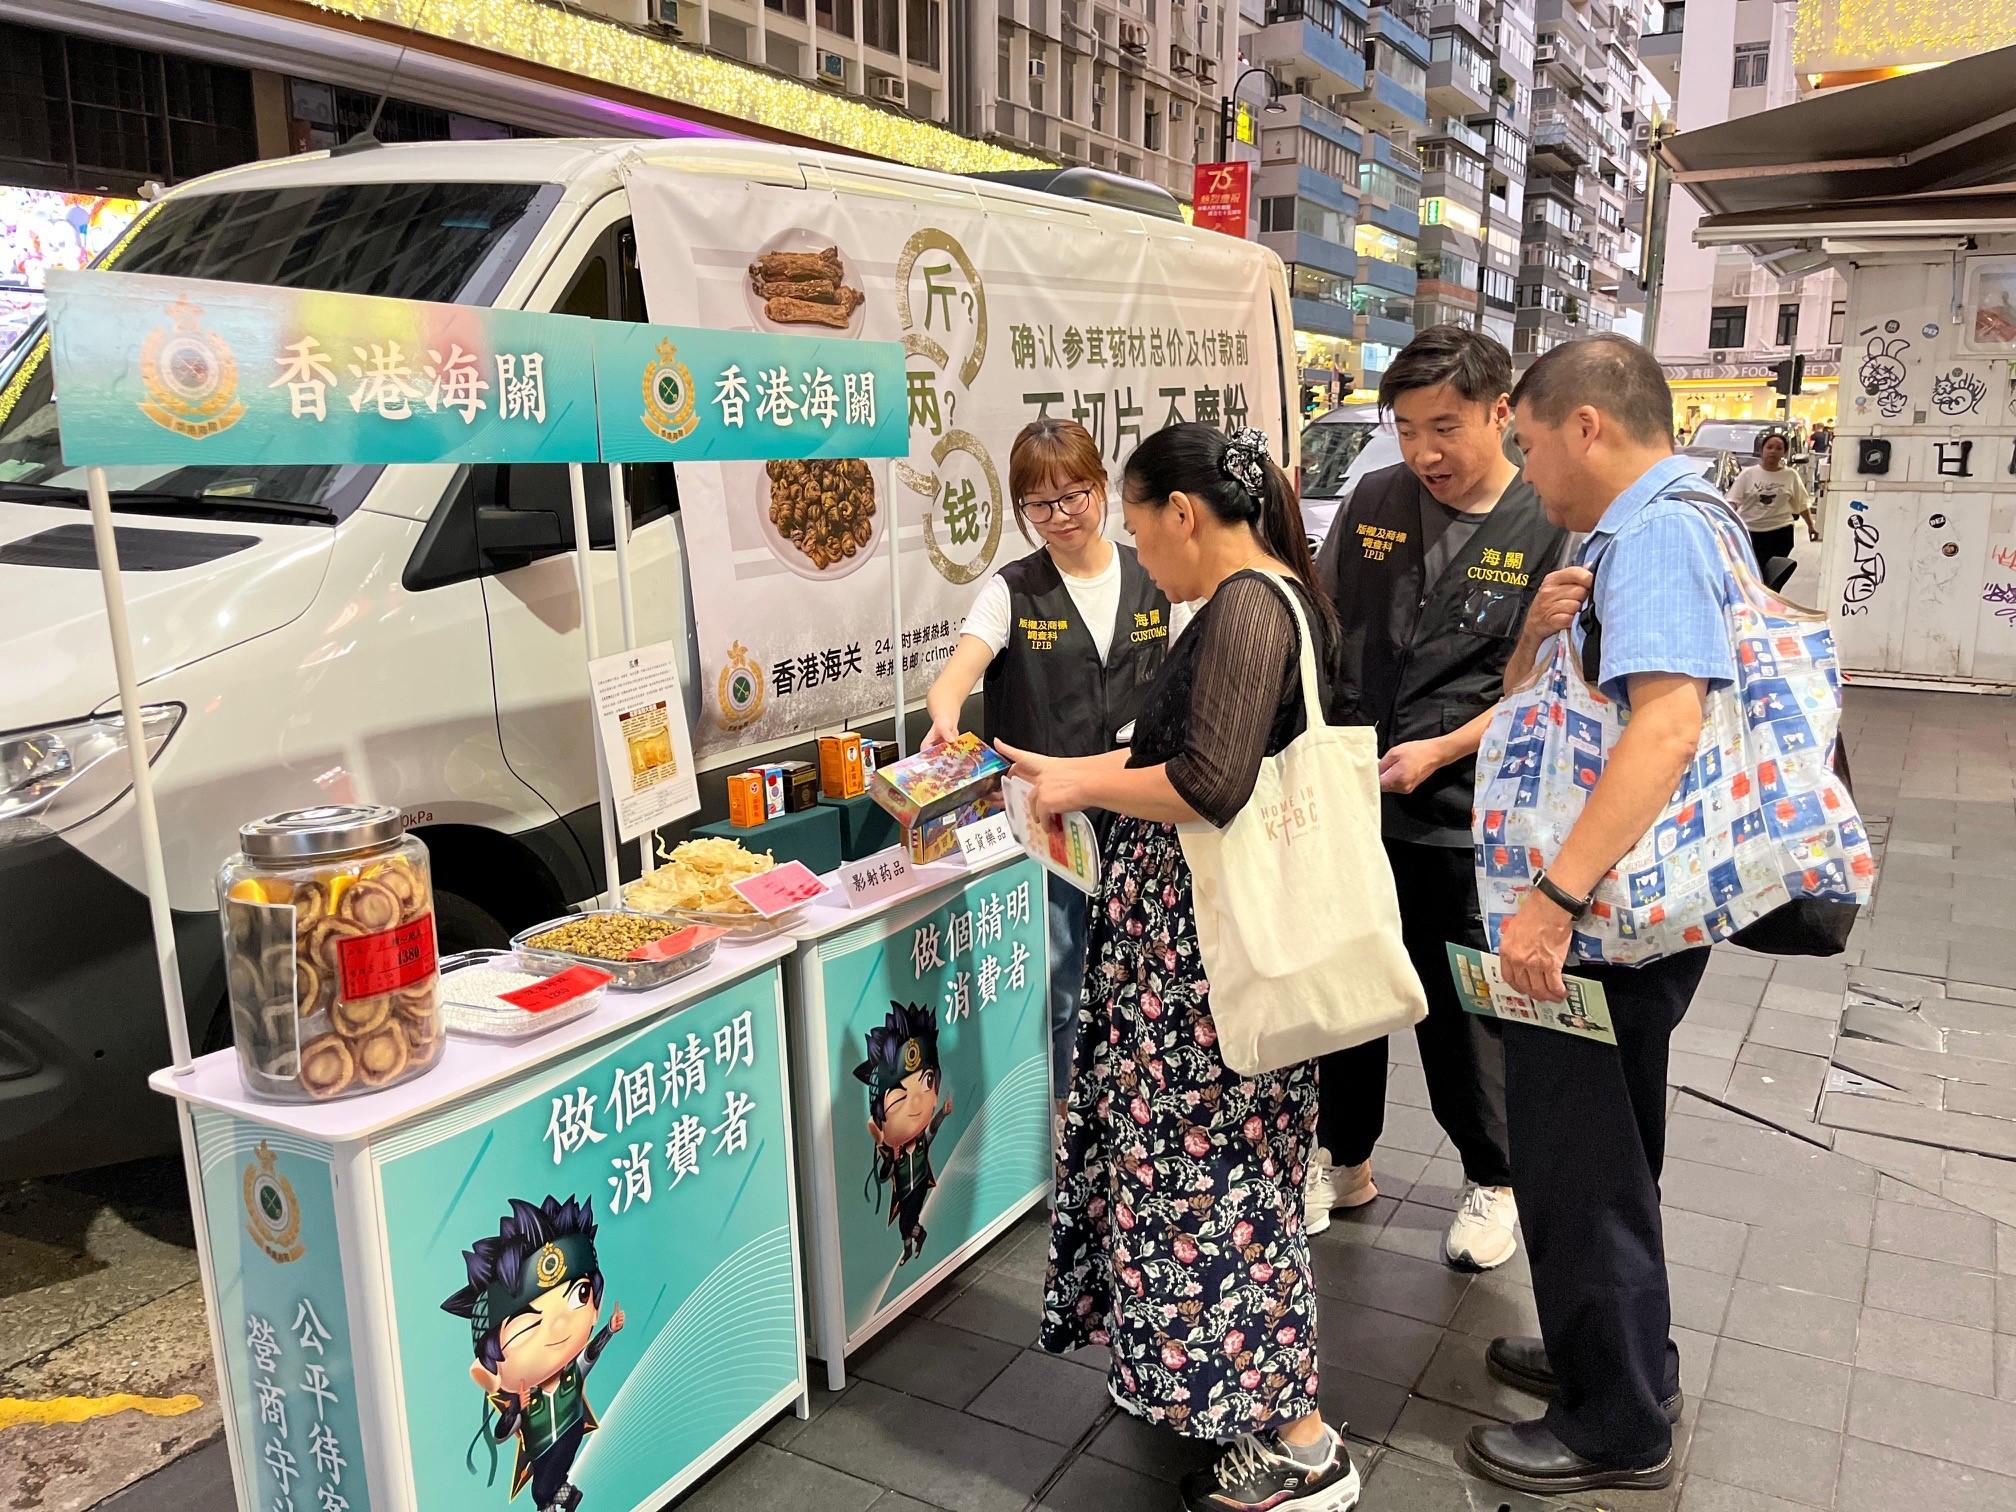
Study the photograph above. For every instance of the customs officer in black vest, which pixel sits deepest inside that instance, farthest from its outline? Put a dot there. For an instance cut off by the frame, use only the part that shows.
(1431, 565)
(1068, 640)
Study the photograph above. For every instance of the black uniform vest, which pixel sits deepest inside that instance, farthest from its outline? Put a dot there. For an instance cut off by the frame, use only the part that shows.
(1048, 691)
(1421, 659)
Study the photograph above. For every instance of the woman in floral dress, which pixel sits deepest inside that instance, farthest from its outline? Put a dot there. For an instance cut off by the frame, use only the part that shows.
(1177, 1237)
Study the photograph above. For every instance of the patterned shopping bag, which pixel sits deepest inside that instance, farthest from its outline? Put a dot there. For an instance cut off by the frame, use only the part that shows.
(1759, 817)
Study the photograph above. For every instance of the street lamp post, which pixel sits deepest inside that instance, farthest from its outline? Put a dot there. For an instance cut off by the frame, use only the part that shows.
(1228, 101)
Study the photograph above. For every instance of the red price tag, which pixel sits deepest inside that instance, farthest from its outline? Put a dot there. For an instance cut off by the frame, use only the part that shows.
(374, 964)
(551, 992)
(692, 937)
(780, 889)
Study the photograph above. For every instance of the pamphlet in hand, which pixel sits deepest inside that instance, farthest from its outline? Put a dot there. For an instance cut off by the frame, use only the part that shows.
(1482, 988)
(1064, 844)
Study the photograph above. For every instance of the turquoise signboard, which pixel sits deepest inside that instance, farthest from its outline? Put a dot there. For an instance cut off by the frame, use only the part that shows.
(171, 370)
(281, 1315)
(671, 394)
(592, 1267)
(938, 1040)
(180, 371)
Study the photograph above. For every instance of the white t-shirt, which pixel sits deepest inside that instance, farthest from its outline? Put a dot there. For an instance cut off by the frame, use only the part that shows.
(1768, 500)
(1097, 600)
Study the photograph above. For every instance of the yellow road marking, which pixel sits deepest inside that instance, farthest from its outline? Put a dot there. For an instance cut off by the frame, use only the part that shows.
(16, 1411)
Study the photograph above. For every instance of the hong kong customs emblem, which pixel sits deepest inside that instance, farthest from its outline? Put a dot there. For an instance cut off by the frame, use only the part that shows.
(669, 410)
(740, 691)
(190, 375)
(272, 1212)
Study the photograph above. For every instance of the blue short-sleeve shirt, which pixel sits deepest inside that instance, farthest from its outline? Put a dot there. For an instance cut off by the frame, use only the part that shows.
(1661, 588)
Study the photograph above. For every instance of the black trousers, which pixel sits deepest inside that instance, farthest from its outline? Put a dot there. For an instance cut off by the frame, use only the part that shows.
(1462, 1054)
(1588, 1127)
(1771, 543)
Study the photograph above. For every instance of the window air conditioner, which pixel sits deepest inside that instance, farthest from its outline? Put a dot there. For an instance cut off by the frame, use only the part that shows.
(1133, 37)
(889, 91)
(665, 13)
(1038, 69)
(832, 67)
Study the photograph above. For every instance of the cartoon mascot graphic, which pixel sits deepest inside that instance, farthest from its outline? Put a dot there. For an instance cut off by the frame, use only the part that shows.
(904, 1113)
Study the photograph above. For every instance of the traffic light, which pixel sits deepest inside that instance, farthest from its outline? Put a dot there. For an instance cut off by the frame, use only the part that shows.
(1790, 374)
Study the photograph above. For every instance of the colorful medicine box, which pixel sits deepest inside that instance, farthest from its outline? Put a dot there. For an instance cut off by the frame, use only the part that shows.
(840, 770)
(937, 837)
(801, 785)
(774, 789)
(931, 783)
(879, 754)
(747, 806)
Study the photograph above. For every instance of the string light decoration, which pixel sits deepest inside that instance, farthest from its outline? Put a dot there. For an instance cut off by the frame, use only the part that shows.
(1839, 36)
(591, 48)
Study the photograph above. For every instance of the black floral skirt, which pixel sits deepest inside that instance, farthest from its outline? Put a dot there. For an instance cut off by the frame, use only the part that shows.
(1176, 1240)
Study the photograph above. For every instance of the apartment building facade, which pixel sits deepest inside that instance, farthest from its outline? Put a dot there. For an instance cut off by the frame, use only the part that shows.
(1724, 323)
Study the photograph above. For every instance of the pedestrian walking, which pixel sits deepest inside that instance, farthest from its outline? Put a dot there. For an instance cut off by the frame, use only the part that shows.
(1432, 565)
(1594, 419)
(1068, 640)
(1768, 496)
(1177, 1238)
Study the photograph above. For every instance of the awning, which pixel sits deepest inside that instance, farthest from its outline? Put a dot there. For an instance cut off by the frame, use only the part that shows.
(1943, 129)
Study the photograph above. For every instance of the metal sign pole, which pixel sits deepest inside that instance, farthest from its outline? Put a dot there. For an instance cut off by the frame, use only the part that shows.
(577, 486)
(109, 577)
(619, 517)
(896, 610)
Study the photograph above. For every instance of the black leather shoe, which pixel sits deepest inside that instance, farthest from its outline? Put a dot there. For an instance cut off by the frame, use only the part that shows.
(1528, 1457)
(1522, 1362)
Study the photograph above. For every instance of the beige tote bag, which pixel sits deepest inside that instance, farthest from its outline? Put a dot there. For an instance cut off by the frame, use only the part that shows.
(1297, 919)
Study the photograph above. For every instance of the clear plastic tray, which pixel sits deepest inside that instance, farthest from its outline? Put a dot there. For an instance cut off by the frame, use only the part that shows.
(630, 976)
(492, 1021)
(744, 926)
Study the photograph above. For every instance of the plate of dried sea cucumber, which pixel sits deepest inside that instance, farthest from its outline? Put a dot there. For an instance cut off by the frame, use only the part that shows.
(800, 282)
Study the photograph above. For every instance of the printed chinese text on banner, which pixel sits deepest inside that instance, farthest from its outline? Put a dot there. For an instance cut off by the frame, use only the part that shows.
(682, 394)
(166, 370)
(1219, 197)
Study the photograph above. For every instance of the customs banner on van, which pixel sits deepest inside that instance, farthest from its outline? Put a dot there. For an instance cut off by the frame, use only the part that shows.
(681, 394)
(181, 371)
(1005, 314)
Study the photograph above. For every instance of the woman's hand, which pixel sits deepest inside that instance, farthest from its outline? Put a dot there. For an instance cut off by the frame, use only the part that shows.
(944, 730)
(1057, 783)
(1411, 763)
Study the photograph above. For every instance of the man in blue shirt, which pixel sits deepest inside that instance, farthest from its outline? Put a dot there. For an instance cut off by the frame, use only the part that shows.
(1586, 1120)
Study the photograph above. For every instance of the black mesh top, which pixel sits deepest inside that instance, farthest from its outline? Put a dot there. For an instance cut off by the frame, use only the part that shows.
(1230, 693)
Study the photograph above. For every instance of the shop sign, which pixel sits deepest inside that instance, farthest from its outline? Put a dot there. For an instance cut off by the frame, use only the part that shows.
(681, 394)
(1219, 196)
(938, 1051)
(283, 1324)
(1701, 372)
(671, 1146)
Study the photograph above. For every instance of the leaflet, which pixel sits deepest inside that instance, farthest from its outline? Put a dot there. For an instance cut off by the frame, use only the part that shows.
(1066, 845)
(1481, 986)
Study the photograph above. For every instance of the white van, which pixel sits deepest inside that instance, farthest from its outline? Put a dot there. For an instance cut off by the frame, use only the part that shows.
(401, 634)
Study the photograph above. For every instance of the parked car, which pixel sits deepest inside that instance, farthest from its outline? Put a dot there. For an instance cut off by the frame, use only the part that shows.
(1339, 447)
(1718, 467)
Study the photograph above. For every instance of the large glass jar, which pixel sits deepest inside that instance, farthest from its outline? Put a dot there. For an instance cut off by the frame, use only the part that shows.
(328, 917)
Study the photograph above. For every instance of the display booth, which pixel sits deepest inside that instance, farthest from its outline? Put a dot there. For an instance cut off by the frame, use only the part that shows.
(512, 1270)
(1896, 184)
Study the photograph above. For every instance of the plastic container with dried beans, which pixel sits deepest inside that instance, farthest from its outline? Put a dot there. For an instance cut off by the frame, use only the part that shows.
(329, 950)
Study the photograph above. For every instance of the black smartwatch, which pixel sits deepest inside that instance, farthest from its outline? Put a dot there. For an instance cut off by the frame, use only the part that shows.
(1560, 897)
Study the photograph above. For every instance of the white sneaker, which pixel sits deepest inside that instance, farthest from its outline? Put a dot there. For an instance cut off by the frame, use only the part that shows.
(1484, 1233)
(1319, 1193)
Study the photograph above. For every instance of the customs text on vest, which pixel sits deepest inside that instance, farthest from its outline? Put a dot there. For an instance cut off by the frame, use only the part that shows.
(1047, 690)
(1421, 659)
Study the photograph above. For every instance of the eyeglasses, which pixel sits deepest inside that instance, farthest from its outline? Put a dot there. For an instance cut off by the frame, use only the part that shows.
(1072, 504)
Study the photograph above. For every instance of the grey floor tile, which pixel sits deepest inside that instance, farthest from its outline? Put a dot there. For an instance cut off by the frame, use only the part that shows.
(1359, 1225)
(1694, 1037)
(942, 1457)
(1876, 1478)
(1697, 1360)
(1394, 1170)
(1727, 961)
(1953, 1131)
(1768, 1201)
(1893, 1189)
(1024, 1252)
(1379, 1344)
(1410, 1128)
(1414, 1229)
(1700, 1073)
(928, 1359)
(1046, 1396)
(1798, 1388)
(1127, 1440)
(2005, 1248)
(998, 1304)
(1934, 1420)
(1920, 1349)
(1493, 1307)
(2005, 1304)
(1991, 1202)
(1424, 1289)
(1714, 1012)
(1701, 1494)
(1407, 1085)
(1432, 1431)
(1805, 1002)
(1440, 1185)
(2005, 1366)
(1710, 1244)
(1959, 1238)
(789, 1425)
(1802, 1032)
(896, 1501)
(1924, 1166)
(1097, 1485)
(1930, 1289)
(1797, 1321)
(1358, 1404)
(760, 1476)
(1776, 1258)
(1765, 1152)
(1700, 1299)
(1409, 1483)
(1969, 1097)
(1457, 1377)
(1767, 1454)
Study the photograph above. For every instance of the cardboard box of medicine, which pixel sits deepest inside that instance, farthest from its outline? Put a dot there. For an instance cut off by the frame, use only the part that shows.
(878, 754)
(801, 785)
(747, 807)
(774, 788)
(937, 837)
(840, 772)
(930, 783)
